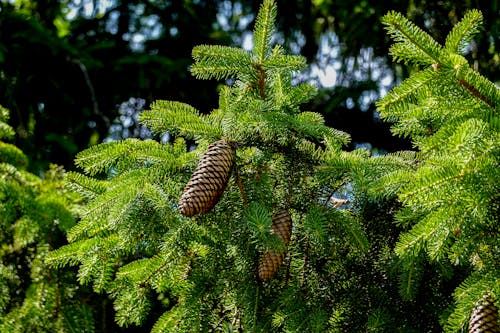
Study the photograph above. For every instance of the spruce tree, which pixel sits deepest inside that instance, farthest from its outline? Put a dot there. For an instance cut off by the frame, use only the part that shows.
(253, 218)
(186, 226)
(35, 214)
(449, 188)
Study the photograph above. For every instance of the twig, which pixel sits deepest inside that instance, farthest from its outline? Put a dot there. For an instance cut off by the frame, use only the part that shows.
(93, 98)
(306, 260)
(475, 92)
(337, 203)
(240, 185)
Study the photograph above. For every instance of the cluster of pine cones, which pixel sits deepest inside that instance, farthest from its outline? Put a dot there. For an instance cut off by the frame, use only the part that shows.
(206, 186)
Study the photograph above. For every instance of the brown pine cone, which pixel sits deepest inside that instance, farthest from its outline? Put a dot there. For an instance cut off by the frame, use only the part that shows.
(271, 262)
(209, 180)
(484, 318)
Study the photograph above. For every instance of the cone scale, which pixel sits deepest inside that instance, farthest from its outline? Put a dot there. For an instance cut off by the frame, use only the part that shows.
(271, 262)
(484, 318)
(209, 180)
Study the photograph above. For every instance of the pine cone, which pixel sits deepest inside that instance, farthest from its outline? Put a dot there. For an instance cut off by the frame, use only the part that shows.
(208, 181)
(271, 262)
(484, 318)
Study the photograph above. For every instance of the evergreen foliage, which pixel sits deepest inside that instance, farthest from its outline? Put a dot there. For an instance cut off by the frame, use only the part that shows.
(34, 216)
(449, 190)
(406, 242)
(202, 271)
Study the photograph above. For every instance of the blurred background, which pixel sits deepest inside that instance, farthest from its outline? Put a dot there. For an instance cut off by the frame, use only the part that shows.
(77, 72)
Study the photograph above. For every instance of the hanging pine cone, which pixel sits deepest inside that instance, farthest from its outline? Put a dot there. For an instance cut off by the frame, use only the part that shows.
(271, 262)
(484, 318)
(208, 181)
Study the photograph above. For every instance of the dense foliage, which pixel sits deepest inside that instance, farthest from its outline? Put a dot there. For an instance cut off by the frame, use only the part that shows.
(201, 272)
(35, 215)
(450, 189)
(133, 243)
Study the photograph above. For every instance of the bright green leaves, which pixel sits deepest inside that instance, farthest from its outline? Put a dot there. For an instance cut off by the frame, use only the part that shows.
(8, 152)
(278, 60)
(181, 119)
(262, 106)
(162, 273)
(220, 62)
(259, 220)
(264, 73)
(463, 32)
(141, 189)
(396, 103)
(264, 29)
(118, 156)
(13, 155)
(34, 214)
(412, 44)
(6, 131)
(133, 306)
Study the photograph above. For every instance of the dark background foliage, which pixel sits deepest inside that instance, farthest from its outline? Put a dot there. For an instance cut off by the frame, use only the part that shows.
(67, 67)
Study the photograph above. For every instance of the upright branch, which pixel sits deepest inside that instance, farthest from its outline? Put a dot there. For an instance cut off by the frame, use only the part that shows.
(184, 221)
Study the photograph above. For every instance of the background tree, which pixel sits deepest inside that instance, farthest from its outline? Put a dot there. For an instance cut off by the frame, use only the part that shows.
(64, 79)
(35, 215)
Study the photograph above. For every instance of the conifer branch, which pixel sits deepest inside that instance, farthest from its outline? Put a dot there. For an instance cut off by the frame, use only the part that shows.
(180, 119)
(478, 86)
(284, 62)
(463, 32)
(475, 92)
(417, 43)
(446, 192)
(88, 187)
(410, 276)
(430, 177)
(400, 96)
(264, 29)
(220, 62)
